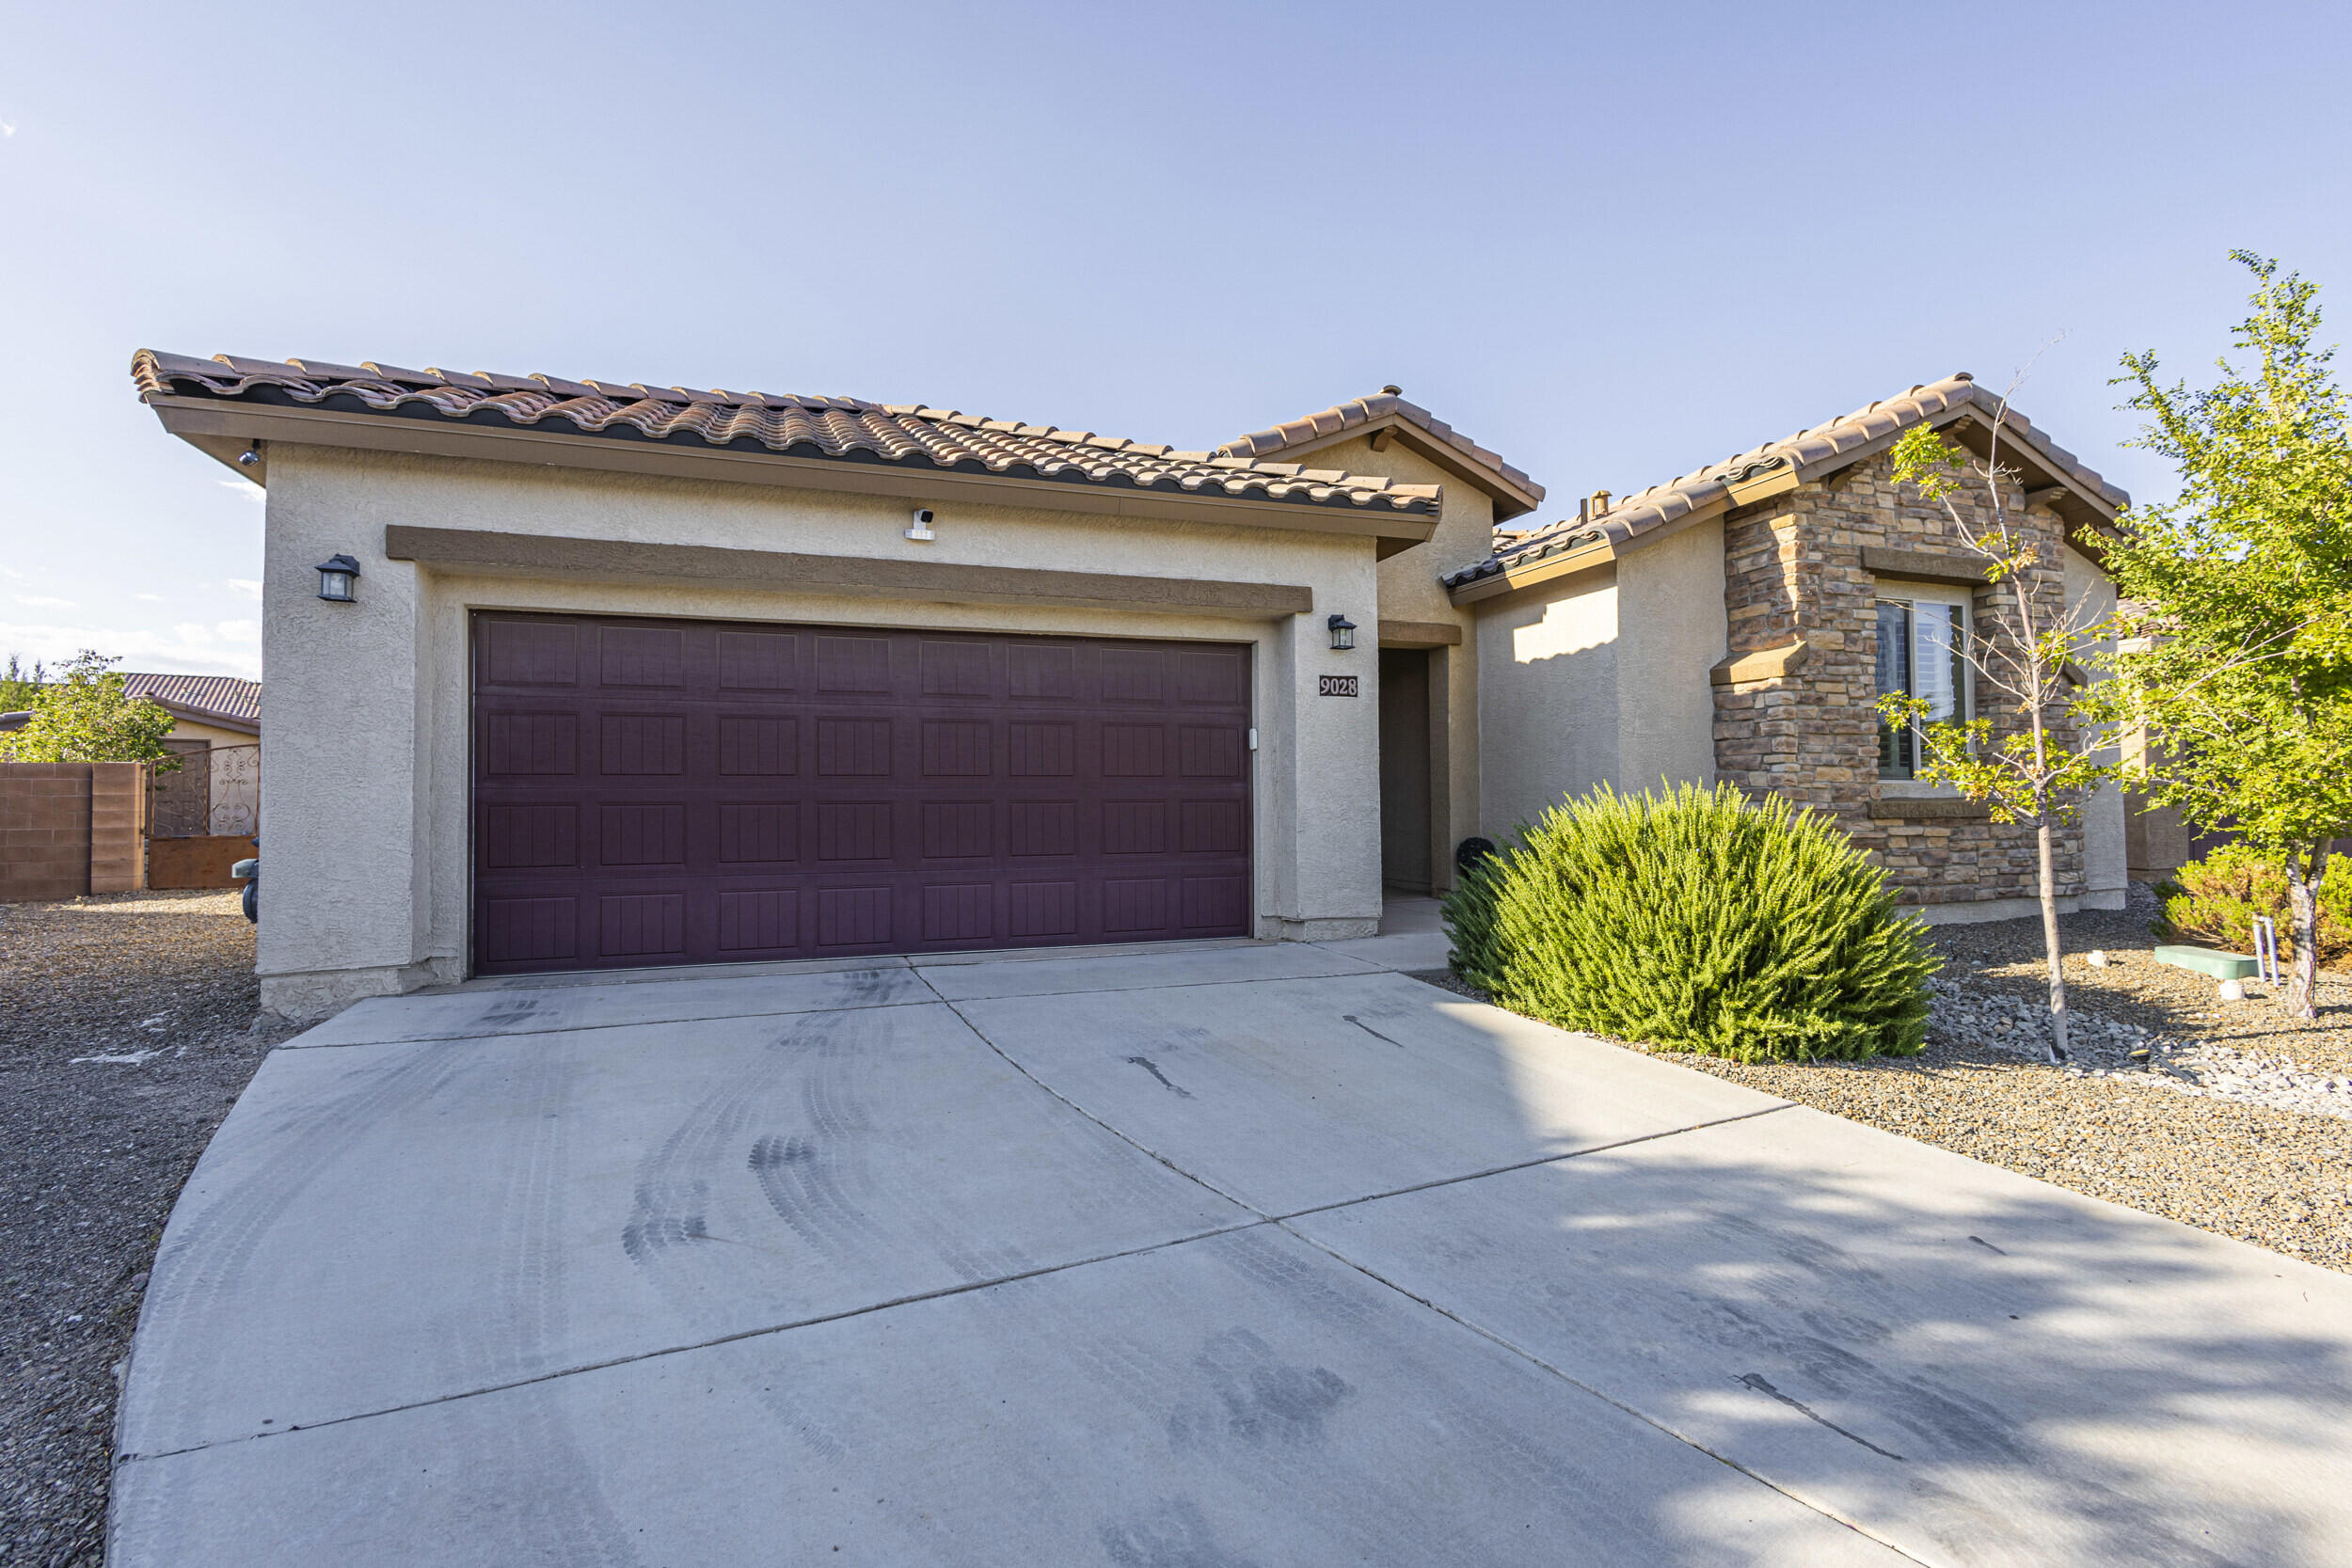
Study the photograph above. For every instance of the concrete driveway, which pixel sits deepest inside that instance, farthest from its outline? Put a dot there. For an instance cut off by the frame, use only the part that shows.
(1200, 1257)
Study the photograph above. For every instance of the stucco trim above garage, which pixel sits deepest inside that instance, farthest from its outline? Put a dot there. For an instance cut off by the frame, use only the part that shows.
(624, 561)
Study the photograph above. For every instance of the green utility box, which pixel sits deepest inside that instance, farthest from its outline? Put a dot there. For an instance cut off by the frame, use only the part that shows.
(2204, 960)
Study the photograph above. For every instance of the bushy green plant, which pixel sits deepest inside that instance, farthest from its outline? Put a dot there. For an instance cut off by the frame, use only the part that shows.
(2216, 899)
(88, 717)
(1699, 920)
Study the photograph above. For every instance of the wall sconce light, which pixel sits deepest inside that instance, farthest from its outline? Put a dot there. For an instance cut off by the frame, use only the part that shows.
(337, 573)
(1342, 632)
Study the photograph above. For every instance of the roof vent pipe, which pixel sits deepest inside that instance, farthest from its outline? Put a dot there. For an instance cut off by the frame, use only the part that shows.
(1592, 506)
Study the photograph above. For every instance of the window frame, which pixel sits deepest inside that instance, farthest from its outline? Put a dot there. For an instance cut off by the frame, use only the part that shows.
(1904, 777)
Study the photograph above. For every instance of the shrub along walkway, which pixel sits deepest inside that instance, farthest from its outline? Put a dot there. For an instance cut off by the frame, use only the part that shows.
(2274, 1177)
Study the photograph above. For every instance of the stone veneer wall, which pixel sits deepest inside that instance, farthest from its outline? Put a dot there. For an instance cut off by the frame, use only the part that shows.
(1793, 569)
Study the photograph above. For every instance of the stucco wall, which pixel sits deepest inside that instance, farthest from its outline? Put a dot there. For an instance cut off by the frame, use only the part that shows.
(1672, 633)
(1409, 591)
(366, 831)
(1604, 678)
(1548, 696)
(2106, 860)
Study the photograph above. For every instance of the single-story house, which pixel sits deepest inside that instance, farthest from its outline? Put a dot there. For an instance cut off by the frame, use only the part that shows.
(578, 674)
(217, 737)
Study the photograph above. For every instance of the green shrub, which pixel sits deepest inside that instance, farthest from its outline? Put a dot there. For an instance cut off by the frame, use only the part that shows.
(1698, 921)
(2215, 901)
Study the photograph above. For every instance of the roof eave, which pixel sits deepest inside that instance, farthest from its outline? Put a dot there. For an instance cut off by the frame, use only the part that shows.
(1512, 499)
(195, 715)
(1566, 563)
(223, 427)
(1973, 426)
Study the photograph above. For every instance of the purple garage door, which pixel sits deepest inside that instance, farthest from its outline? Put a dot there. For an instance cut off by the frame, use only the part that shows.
(683, 792)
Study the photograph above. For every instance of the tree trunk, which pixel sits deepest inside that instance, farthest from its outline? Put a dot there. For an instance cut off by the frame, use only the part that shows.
(2303, 916)
(2044, 843)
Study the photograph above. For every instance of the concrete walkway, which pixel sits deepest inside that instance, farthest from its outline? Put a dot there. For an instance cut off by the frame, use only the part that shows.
(1167, 1257)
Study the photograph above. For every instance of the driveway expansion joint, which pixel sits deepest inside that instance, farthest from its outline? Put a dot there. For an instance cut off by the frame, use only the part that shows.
(962, 1288)
(1529, 1165)
(479, 1037)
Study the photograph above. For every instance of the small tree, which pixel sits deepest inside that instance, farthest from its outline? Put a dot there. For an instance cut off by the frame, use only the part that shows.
(2037, 770)
(18, 685)
(2238, 650)
(88, 717)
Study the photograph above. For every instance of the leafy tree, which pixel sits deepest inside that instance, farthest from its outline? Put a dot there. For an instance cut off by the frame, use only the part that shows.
(88, 717)
(2238, 628)
(2042, 764)
(18, 686)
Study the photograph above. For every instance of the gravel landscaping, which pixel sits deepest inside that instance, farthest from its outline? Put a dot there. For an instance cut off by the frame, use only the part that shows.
(125, 1035)
(2237, 1119)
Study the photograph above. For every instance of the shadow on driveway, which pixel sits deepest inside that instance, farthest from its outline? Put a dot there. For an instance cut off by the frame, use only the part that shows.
(1244, 1255)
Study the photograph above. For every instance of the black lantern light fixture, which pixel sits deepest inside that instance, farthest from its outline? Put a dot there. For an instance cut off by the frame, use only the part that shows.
(337, 574)
(1342, 632)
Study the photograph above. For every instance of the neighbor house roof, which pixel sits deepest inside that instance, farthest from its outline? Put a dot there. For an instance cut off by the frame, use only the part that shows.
(1512, 491)
(2054, 473)
(828, 429)
(222, 700)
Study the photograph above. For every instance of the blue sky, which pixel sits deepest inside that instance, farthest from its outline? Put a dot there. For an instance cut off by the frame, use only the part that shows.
(1612, 242)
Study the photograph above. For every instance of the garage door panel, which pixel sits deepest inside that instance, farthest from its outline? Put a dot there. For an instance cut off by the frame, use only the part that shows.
(530, 653)
(642, 833)
(958, 669)
(1133, 751)
(758, 832)
(642, 745)
(959, 749)
(1135, 907)
(758, 921)
(754, 745)
(528, 744)
(1219, 678)
(642, 926)
(853, 916)
(851, 748)
(667, 792)
(641, 656)
(854, 664)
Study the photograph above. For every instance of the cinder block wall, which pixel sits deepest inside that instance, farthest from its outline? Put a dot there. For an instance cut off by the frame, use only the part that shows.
(71, 828)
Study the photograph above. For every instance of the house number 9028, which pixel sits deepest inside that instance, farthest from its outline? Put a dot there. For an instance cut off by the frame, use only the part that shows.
(1335, 686)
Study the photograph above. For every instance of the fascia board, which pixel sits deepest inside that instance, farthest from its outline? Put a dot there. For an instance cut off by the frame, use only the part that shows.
(1427, 446)
(1552, 568)
(2077, 497)
(194, 420)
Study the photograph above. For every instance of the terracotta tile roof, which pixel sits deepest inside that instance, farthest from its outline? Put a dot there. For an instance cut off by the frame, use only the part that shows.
(200, 696)
(1512, 483)
(847, 429)
(1661, 504)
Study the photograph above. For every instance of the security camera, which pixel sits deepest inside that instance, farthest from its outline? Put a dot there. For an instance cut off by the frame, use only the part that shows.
(921, 528)
(248, 458)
